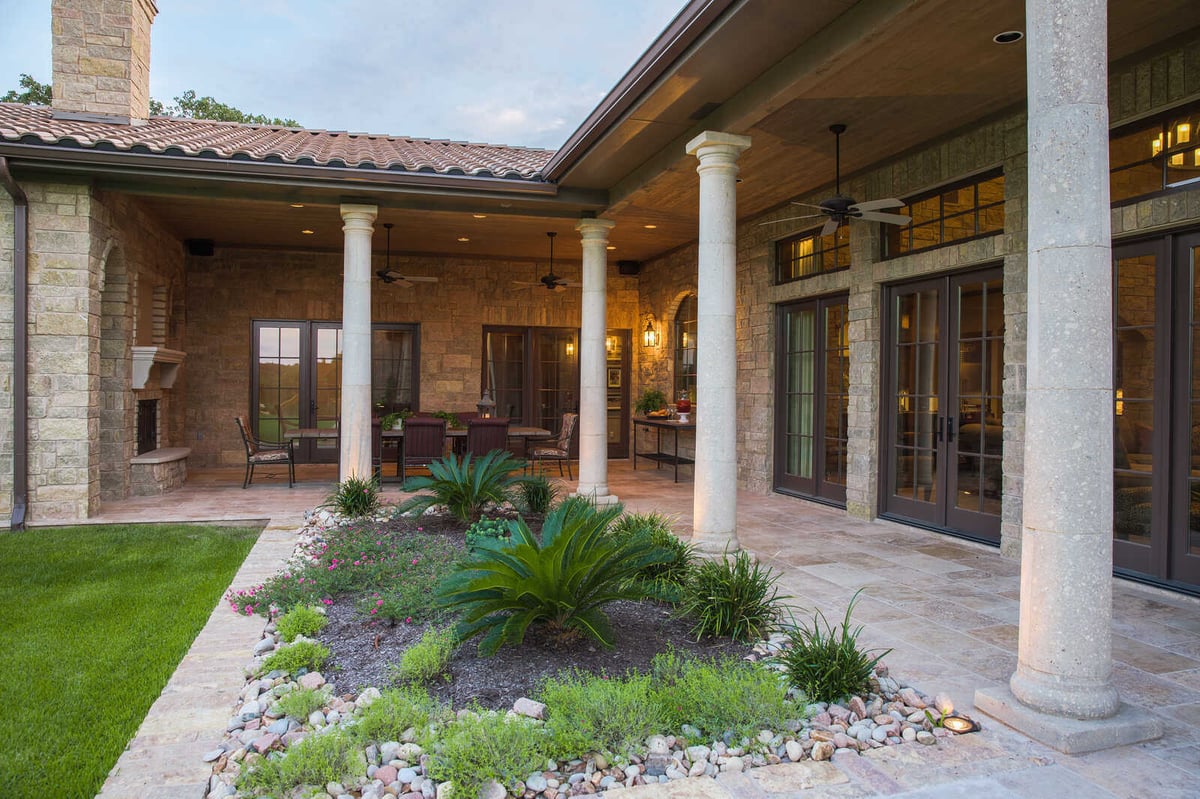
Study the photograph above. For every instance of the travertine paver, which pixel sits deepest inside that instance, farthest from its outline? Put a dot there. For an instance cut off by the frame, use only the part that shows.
(946, 607)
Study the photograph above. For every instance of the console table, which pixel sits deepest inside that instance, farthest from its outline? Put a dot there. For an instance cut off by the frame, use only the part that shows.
(658, 455)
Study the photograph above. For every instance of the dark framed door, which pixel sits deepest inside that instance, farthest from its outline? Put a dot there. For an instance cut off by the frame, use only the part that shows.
(1183, 556)
(533, 373)
(617, 354)
(812, 398)
(942, 421)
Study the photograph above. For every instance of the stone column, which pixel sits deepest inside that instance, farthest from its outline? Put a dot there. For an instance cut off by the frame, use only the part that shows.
(355, 458)
(593, 391)
(1062, 692)
(715, 493)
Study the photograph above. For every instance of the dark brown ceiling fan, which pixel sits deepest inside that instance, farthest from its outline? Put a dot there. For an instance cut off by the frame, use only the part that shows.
(389, 275)
(550, 281)
(839, 208)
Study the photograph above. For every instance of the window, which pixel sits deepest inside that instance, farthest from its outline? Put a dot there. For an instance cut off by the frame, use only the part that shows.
(532, 372)
(1153, 156)
(685, 348)
(812, 254)
(947, 215)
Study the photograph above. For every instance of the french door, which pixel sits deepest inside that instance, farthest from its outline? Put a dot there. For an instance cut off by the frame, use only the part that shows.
(1156, 408)
(297, 379)
(941, 459)
(533, 373)
(812, 398)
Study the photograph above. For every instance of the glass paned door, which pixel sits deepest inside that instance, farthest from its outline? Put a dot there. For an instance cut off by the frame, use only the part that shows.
(1184, 564)
(277, 363)
(617, 353)
(811, 398)
(327, 389)
(556, 376)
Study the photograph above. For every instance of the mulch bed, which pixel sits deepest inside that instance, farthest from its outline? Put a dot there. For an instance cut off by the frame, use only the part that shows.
(363, 649)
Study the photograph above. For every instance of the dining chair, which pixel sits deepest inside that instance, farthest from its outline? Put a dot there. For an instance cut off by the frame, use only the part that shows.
(559, 450)
(424, 441)
(266, 453)
(485, 435)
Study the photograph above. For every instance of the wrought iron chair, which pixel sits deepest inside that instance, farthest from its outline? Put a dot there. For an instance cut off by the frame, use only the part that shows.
(485, 435)
(559, 450)
(266, 453)
(424, 442)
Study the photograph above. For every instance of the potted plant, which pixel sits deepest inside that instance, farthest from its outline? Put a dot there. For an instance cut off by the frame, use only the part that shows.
(395, 421)
(651, 402)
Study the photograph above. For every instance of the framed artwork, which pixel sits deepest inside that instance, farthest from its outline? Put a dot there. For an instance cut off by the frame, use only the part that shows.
(614, 377)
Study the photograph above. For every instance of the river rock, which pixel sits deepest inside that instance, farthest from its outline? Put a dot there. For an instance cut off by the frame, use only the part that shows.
(794, 750)
(530, 708)
(822, 750)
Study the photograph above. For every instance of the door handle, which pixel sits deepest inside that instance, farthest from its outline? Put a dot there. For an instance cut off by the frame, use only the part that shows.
(940, 420)
(949, 429)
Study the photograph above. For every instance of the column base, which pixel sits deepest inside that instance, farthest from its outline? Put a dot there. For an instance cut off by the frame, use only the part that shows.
(599, 500)
(715, 547)
(1069, 736)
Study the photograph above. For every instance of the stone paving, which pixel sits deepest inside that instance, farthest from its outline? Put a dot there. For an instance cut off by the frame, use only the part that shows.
(948, 608)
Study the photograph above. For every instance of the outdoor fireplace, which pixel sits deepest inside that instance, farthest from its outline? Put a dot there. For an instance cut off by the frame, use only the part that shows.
(147, 425)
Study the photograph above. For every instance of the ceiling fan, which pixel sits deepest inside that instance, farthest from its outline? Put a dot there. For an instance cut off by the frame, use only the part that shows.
(389, 275)
(840, 208)
(550, 281)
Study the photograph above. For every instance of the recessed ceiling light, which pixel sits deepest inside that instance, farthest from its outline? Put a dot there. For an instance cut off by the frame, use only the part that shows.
(1008, 37)
(650, 227)
(297, 205)
(306, 232)
(610, 247)
(463, 239)
(479, 216)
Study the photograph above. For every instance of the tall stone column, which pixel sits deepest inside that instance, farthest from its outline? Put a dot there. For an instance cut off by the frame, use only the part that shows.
(1062, 691)
(593, 397)
(355, 442)
(715, 494)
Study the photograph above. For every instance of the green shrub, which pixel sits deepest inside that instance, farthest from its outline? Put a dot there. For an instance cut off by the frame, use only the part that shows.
(300, 620)
(562, 580)
(486, 528)
(536, 496)
(652, 399)
(720, 695)
(318, 759)
(301, 702)
(734, 597)
(827, 664)
(428, 657)
(303, 654)
(589, 713)
(354, 497)
(487, 746)
(659, 527)
(464, 486)
(398, 710)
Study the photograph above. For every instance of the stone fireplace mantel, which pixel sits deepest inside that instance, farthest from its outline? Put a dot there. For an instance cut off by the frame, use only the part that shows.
(145, 357)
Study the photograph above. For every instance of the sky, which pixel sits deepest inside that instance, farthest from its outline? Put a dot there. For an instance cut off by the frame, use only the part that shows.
(523, 72)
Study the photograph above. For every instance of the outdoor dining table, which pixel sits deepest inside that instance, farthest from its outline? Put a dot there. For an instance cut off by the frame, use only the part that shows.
(514, 431)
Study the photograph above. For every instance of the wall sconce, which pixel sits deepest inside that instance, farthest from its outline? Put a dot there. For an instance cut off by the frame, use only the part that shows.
(570, 349)
(1120, 402)
(649, 335)
(610, 345)
(486, 406)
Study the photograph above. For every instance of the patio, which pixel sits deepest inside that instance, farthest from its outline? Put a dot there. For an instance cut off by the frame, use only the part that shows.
(948, 608)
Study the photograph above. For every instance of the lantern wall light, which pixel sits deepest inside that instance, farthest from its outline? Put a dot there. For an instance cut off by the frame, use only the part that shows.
(650, 334)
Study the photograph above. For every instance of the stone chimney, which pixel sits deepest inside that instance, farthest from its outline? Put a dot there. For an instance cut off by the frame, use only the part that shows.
(101, 56)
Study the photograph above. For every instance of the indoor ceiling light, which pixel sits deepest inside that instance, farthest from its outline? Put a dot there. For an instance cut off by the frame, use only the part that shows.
(1008, 37)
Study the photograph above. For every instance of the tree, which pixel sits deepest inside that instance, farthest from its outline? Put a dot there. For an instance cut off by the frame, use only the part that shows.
(186, 105)
(35, 93)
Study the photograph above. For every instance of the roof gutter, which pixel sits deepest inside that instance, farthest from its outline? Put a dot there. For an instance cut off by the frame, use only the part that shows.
(20, 384)
(687, 27)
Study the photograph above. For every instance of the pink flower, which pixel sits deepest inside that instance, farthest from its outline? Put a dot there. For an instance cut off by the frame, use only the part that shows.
(408, 619)
(379, 602)
(414, 562)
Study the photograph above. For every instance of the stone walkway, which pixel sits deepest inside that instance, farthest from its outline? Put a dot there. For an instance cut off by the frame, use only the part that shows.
(947, 608)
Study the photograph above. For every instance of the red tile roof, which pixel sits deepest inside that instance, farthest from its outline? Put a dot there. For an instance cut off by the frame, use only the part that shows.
(233, 141)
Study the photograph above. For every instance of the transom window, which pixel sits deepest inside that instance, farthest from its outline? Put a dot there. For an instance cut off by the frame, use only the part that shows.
(811, 254)
(947, 215)
(1155, 155)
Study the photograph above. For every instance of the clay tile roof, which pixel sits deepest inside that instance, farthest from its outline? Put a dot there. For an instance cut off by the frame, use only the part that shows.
(233, 141)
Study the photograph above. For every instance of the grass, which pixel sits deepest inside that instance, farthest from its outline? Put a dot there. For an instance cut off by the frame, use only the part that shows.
(95, 621)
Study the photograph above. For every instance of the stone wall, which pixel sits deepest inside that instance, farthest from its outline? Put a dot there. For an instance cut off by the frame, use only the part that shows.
(236, 286)
(7, 295)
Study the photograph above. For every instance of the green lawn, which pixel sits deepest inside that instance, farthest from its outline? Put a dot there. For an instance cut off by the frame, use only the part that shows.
(93, 621)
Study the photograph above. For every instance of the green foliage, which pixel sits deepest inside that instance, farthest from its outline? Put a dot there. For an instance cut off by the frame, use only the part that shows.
(737, 598)
(561, 581)
(354, 497)
(536, 495)
(398, 710)
(720, 695)
(651, 400)
(451, 419)
(188, 105)
(590, 713)
(429, 657)
(302, 701)
(487, 746)
(827, 664)
(303, 654)
(300, 620)
(485, 528)
(465, 486)
(35, 93)
(389, 419)
(95, 621)
(329, 756)
(659, 528)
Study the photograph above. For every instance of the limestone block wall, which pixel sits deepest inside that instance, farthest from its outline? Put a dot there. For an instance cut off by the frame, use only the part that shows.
(230, 289)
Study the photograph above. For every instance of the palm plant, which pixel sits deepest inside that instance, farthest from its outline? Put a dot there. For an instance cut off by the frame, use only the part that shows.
(463, 486)
(561, 580)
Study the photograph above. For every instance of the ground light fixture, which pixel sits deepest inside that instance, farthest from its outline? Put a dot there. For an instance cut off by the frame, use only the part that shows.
(960, 724)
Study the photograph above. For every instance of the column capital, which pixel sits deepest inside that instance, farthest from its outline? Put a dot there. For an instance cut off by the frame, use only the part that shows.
(715, 142)
(358, 216)
(594, 229)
